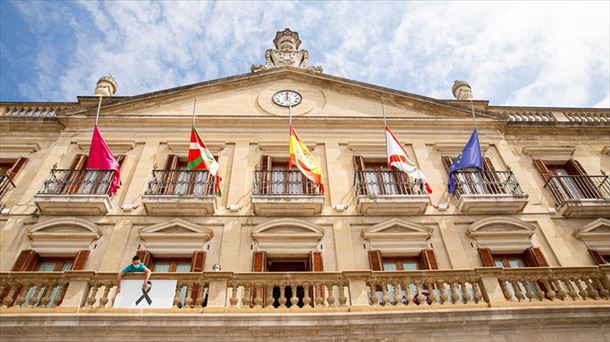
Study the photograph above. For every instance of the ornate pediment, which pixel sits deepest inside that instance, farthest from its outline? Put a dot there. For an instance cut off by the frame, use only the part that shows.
(286, 53)
(63, 236)
(177, 237)
(287, 236)
(398, 236)
(596, 234)
(502, 234)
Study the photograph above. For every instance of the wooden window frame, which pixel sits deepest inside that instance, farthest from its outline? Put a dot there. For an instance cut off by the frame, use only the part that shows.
(400, 261)
(172, 261)
(505, 259)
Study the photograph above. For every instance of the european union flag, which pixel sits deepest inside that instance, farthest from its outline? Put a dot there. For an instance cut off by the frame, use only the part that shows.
(469, 158)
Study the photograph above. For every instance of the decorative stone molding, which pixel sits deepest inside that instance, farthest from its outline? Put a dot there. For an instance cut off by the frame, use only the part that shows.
(181, 147)
(116, 146)
(502, 234)
(596, 235)
(14, 150)
(278, 148)
(449, 149)
(369, 149)
(63, 236)
(177, 237)
(398, 237)
(287, 236)
(560, 153)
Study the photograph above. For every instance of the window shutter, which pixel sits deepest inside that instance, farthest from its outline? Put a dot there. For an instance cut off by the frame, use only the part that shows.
(375, 260)
(427, 260)
(534, 258)
(26, 261)
(447, 161)
(145, 257)
(265, 162)
(494, 183)
(259, 261)
(80, 162)
(120, 159)
(597, 256)
(486, 257)
(315, 262)
(17, 165)
(362, 184)
(576, 168)
(80, 259)
(198, 261)
(541, 167)
(359, 163)
(172, 162)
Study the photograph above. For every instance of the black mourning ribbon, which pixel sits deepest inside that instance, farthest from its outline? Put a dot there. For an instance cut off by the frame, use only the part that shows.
(145, 294)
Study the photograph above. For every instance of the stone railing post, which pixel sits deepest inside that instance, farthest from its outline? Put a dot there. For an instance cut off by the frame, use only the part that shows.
(217, 290)
(490, 285)
(359, 296)
(77, 291)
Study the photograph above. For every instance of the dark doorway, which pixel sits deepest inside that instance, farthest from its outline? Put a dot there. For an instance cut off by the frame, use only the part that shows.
(291, 265)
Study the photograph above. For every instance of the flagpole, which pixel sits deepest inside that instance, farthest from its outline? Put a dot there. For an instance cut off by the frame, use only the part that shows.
(383, 112)
(194, 106)
(474, 119)
(99, 105)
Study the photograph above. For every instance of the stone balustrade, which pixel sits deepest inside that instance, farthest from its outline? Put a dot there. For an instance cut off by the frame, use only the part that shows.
(227, 292)
(288, 291)
(40, 290)
(425, 289)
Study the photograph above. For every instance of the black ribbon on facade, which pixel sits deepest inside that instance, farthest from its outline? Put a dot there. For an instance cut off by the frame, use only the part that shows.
(145, 294)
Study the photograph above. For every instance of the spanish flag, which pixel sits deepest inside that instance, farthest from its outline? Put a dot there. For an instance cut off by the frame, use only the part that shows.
(304, 160)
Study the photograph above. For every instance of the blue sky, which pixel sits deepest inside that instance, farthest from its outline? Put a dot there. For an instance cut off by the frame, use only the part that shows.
(513, 53)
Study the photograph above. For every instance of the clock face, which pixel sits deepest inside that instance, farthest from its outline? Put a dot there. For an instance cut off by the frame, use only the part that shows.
(287, 98)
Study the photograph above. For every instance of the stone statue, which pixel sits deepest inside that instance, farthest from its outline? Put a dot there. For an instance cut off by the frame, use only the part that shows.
(106, 86)
(461, 90)
(286, 53)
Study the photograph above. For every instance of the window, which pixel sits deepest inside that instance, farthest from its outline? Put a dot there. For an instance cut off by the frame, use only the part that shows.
(30, 261)
(509, 261)
(57, 264)
(400, 264)
(373, 177)
(531, 257)
(8, 172)
(473, 181)
(569, 180)
(171, 265)
(78, 180)
(275, 178)
(178, 179)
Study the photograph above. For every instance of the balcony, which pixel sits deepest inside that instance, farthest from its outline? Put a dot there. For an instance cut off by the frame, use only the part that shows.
(389, 192)
(180, 192)
(581, 196)
(335, 304)
(285, 192)
(6, 185)
(488, 192)
(71, 192)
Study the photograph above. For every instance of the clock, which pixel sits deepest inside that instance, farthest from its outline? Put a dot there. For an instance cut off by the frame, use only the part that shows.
(287, 98)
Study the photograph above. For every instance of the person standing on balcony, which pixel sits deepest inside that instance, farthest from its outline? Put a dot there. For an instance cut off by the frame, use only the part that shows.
(135, 266)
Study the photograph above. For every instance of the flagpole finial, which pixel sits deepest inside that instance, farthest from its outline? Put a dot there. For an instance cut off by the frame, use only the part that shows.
(462, 90)
(106, 86)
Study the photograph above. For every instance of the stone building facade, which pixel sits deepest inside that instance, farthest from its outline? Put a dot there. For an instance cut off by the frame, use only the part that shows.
(520, 250)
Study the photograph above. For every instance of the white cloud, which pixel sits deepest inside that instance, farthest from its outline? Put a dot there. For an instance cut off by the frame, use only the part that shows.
(548, 54)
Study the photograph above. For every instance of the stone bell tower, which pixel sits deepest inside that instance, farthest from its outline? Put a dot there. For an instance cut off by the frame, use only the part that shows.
(286, 53)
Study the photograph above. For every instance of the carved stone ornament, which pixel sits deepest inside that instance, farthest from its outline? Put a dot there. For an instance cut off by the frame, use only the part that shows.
(106, 86)
(286, 53)
(462, 91)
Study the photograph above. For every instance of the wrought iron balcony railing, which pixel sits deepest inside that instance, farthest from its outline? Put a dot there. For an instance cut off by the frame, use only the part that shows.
(486, 183)
(6, 185)
(78, 182)
(570, 188)
(182, 183)
(284, 183)
(393, 183)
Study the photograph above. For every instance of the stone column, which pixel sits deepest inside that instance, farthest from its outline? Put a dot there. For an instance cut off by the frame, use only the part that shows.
(339, 178)
(344, 248)
(11, 238)
(230, 246)
(453, 245)
(115, 248)
(358, 295)
(490, 286)
(139, 180)
(77, 290)
(217, 290)
(239, 176)
(559, 248)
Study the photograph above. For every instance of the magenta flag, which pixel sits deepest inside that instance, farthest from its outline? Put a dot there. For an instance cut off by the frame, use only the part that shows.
(100, 157)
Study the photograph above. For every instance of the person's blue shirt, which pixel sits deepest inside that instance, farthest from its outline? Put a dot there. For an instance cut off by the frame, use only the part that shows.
(131, 268)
